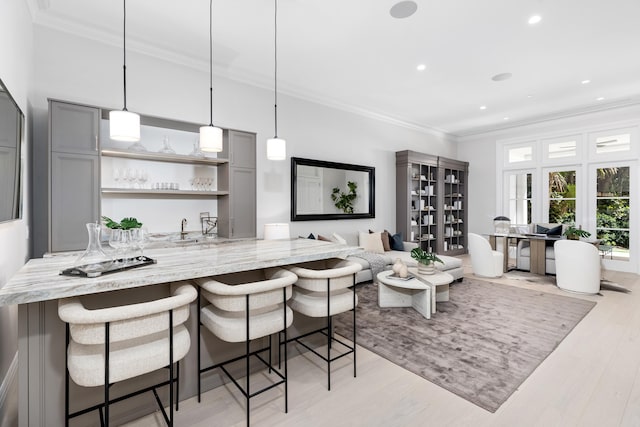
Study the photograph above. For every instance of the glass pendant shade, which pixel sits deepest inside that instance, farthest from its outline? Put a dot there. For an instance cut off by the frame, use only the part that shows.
(124, 126)
(276, 149)
(211, 139)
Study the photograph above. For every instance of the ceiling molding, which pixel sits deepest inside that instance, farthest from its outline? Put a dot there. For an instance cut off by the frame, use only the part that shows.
(621, 103)
(145, 47)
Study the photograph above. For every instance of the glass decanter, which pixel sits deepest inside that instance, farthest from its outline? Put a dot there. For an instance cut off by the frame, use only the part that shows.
(166, 147)
(93, 261)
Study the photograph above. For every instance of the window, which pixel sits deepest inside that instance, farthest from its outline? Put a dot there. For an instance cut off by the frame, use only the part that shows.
(519, 154)
(614, 144)
(562, 196)
(613, 208)
(563, 149)
(519, 197)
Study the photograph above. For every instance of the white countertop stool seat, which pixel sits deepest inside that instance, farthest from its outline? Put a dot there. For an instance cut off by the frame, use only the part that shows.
(322, 290)
(107, 344)
(241, 307)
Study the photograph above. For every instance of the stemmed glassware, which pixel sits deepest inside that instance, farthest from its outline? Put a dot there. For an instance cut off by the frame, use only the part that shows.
(139, 240)
(119, 240)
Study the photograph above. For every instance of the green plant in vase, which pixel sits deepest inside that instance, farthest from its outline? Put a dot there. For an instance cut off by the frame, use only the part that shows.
(573, 233)
(426, 260)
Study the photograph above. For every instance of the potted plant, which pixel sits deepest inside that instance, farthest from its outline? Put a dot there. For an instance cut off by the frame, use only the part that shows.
(573, 233)
(426, 260)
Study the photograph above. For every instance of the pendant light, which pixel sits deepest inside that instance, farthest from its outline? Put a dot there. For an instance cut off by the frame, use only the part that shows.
(124, 125)
(276, 147)
(210, 136)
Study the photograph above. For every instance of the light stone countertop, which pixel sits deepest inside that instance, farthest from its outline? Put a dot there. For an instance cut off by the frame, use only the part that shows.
(39, 279)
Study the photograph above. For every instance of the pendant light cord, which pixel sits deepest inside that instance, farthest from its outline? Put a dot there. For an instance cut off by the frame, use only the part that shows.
(124, 54)
(210, 62)
(275, 73)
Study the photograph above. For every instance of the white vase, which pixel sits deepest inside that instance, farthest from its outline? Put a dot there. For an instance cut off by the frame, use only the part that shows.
(426, 268)
(397, 266)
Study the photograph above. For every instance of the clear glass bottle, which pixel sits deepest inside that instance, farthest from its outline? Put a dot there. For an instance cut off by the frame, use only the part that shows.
(93, 261)
(166, 146)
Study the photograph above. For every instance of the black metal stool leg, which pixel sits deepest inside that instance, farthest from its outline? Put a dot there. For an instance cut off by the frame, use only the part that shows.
(106, 373)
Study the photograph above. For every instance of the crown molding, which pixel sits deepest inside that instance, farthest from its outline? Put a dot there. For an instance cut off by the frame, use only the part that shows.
(148, 48)
(563, 114)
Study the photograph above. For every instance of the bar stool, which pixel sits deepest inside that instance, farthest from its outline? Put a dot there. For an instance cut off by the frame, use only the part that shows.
(322, 291)
(243, 307)
(112, 344)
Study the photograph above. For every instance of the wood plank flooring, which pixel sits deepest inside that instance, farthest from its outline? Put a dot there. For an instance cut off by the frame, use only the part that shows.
(591, 379)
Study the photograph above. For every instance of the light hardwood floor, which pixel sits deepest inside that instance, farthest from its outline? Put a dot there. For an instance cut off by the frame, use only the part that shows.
(591, 379)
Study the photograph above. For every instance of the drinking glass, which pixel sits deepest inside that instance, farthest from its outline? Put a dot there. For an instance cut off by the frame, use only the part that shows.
(117, 175)
(139, 240)
(117, 240)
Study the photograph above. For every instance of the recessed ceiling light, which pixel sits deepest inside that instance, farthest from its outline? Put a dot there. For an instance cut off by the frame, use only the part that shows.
(502, 76)
(586, 82)
(529, 96)
(534, 19)
(600, 98)
(483, 107)
(421, 67)
(505, 118)
(403, 9)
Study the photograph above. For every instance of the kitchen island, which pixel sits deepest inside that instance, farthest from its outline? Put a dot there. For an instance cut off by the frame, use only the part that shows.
(37, 286)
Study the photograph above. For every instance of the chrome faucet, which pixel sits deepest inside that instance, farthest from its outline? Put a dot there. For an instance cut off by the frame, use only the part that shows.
(183, 224)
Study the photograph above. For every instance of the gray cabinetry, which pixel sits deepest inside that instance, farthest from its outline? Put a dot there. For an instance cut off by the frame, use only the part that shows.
(74, 128)
(74, 193)
(431, 201)
(452, 178)
(237, 211)
(417, 198)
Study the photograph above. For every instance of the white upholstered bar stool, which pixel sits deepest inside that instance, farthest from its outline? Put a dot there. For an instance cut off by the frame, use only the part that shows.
(322, 291)
(112, 344)
(243, 307)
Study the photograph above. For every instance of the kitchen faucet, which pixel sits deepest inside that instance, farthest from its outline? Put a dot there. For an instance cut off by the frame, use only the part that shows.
(183, 224)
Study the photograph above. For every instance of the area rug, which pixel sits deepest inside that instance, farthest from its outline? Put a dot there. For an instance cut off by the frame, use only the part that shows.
(481, 344)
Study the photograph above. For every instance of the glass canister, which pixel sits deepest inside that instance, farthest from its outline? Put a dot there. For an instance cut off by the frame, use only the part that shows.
(501, 225)
(93, 261)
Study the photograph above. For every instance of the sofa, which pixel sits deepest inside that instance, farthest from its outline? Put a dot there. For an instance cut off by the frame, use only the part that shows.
(401, 250)
(523, 250)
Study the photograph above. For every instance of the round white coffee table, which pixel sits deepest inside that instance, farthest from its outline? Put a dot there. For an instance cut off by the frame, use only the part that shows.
(439, 282)
(395, 292)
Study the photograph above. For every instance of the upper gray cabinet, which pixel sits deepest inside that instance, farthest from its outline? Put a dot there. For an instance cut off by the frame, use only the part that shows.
(74, 128)
(242, 147)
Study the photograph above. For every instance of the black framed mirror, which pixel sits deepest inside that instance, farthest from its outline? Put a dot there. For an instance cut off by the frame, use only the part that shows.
(11, 134)
(327, 190)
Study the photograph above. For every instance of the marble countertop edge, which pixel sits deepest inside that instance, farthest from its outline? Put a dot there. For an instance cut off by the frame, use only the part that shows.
(39, 279)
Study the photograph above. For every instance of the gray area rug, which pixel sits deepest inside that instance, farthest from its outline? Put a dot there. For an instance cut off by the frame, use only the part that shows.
(480, 345)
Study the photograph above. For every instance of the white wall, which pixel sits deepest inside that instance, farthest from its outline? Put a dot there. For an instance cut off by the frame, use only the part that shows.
(80, 70)
(15, 71)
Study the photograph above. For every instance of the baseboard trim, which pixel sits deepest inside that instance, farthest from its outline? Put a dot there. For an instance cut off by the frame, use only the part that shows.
(11, 376)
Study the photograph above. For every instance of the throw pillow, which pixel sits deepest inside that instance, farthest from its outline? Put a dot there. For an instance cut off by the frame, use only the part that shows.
(396, 242)
(384, 236)
(311, 236)
(339, 239)
(325, 239)
(371, 242)
(541, 230)
(555, 231)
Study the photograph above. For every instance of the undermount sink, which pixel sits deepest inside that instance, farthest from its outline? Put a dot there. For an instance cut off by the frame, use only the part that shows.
(175, 238)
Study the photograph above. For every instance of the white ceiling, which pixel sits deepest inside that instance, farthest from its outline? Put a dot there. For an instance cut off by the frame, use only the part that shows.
(353, 55)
